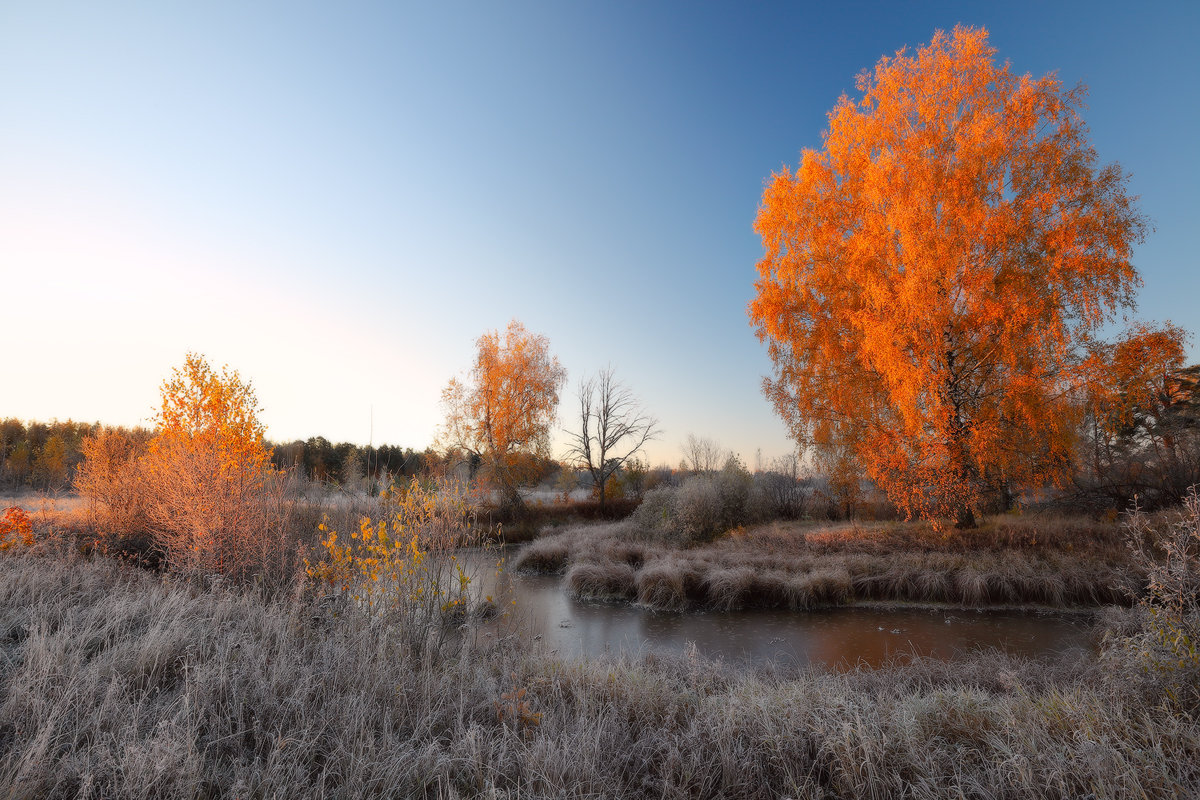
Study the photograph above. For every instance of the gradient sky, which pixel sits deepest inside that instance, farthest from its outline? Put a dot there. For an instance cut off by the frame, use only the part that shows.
(337, 199)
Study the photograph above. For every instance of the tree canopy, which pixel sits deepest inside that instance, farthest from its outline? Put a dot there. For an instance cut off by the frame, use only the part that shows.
(935, 277)
(506, 409)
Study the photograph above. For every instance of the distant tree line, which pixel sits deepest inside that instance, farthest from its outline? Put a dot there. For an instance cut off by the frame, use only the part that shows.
(1141, 444)
(44, 456)
(352, 465)
(41, 455)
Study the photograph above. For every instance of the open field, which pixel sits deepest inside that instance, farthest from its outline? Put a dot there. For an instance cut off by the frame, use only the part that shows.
(1008, 561)
(35, 502)
(116, 682)
(308, 503)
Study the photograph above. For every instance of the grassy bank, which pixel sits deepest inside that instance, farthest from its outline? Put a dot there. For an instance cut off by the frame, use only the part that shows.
(115, 682)
(1042, 561)
(520, 525)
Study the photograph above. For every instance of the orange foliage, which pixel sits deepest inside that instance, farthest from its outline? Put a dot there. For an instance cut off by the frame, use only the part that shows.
(216, 411)
(15, 529)
(109, 478)
(506, 412)
(205, 470)
(1136, 373)
(1141, 416)
(935, 275)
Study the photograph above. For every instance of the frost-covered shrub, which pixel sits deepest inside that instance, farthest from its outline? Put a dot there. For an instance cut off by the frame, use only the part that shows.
(700, 509)
(655, 516)
(779, 491)
(1168, 645)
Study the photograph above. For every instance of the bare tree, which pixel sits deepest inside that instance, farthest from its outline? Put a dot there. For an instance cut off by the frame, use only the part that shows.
(780, 487)
(613, 428)
(703, 455)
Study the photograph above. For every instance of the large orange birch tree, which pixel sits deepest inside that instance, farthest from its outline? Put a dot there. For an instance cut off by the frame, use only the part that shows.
(935, 276)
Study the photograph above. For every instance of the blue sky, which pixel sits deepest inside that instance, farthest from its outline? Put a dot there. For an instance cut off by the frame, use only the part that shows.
(337, 199)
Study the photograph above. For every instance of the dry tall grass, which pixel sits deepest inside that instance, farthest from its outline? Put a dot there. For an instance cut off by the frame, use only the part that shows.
(1168, 644)
(115, 682)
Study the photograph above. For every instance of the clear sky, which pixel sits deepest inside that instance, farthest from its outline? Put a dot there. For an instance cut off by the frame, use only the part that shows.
(336, 199)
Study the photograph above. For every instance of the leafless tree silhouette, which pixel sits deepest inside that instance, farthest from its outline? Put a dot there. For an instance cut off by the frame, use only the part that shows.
(613, 427)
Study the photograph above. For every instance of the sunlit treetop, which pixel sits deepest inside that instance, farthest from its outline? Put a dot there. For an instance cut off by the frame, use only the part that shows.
(507, 407)
(216, 410)
(935, 276)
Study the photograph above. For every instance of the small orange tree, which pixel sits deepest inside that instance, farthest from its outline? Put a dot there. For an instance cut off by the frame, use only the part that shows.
(506, 411)
(934, 277)
(1141, 446)
(205, 471)
(15, 529)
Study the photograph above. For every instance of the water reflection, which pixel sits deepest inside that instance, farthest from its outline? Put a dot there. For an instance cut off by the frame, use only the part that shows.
(832, 637)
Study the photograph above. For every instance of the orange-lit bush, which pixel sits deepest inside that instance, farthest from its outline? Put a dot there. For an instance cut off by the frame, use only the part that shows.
(202, 491)
(15, 529)
(206, 469)
(110, 479)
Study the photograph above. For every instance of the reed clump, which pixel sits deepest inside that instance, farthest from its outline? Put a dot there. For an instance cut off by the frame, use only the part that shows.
(610, 581)
(1047, 562)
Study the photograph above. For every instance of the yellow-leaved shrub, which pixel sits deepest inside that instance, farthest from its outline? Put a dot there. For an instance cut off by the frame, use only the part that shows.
(405, 563)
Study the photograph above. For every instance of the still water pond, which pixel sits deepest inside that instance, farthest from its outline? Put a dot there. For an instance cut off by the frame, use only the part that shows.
(834, 637)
